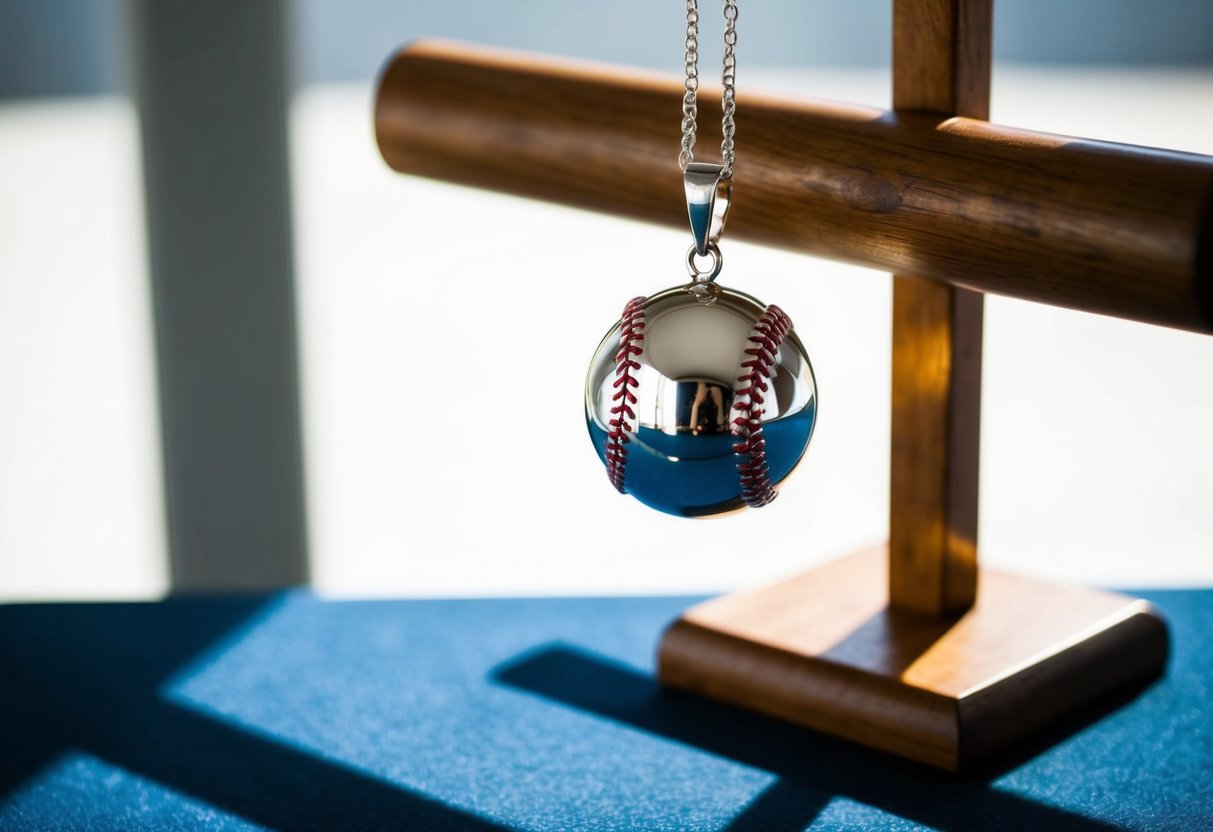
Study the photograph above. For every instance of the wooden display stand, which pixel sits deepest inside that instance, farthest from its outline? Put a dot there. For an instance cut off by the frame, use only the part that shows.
(901, 648)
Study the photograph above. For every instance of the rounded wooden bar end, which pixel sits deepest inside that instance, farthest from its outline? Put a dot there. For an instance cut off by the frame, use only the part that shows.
(1096, 226)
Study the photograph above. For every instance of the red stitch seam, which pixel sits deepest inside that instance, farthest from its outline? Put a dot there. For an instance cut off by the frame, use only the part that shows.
(764, 342)
(631, 333)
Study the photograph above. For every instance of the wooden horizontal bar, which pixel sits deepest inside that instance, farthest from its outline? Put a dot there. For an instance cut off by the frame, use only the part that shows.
(1106, 228)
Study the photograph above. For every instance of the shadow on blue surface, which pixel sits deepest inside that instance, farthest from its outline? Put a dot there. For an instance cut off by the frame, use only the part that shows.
(87, 677)
(98, 679)
(812, 768)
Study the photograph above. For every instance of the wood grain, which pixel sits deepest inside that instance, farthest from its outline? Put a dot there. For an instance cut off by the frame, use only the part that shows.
(824, 650)
(1101, 227)
(937, 333)
(941, 64)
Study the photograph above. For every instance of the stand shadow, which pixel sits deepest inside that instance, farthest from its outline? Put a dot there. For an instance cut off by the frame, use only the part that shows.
(889, 642)
(813, 768)
(86, 677)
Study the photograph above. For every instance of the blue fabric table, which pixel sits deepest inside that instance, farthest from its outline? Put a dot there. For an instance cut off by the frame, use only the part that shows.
(291, 712)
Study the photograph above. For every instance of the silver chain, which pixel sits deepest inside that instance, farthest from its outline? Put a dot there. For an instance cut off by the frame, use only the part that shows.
(690, 94)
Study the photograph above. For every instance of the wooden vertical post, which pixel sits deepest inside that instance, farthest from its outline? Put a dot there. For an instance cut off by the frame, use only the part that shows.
(941, 64)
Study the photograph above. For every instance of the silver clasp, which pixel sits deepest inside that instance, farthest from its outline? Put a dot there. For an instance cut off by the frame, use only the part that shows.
(708, 197)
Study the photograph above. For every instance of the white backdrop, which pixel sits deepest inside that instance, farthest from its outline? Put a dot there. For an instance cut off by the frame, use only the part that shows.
(445, 334)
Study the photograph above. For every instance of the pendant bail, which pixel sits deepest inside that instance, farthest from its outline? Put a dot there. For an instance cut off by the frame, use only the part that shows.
(708, 195)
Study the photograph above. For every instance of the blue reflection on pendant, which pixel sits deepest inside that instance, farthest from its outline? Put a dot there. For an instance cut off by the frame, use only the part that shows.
(695, 475)
(700, 214)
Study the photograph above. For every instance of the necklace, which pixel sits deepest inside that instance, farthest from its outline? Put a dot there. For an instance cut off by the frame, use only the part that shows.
(701, 399)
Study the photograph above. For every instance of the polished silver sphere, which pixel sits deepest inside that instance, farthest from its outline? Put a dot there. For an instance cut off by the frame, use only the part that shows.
(700, 400)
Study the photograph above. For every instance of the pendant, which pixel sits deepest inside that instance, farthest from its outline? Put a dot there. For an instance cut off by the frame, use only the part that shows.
(701, 399)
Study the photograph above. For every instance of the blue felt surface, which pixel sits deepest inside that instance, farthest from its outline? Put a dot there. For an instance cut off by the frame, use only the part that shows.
(289, 712)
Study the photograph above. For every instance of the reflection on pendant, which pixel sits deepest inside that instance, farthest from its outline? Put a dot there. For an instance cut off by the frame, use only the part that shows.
(700, 409)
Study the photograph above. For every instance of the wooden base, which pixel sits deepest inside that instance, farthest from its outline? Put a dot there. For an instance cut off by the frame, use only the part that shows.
(822, 650)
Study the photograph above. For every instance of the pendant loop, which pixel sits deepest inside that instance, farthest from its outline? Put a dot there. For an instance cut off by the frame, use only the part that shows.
(709, 193)
(708, 275)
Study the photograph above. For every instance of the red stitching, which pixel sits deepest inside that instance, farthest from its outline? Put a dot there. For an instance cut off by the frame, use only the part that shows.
(764, 342)
(631, 333)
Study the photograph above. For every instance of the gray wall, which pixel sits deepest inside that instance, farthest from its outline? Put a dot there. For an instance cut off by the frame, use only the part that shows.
(336, 43)
(61, 47)
(58, 47)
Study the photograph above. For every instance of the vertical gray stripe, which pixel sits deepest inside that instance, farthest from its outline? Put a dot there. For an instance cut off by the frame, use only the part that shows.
(212, 89)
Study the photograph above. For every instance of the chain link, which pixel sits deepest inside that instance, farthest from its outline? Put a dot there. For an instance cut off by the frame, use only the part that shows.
(690, 87)
(728, 78)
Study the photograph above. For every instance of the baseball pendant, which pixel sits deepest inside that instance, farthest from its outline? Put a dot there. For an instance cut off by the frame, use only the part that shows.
(700, 401)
